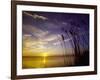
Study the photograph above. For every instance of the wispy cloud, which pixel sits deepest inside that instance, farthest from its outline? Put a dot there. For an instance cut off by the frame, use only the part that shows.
(34, 31)
(64, 23)
(36, 16)
(51, 37)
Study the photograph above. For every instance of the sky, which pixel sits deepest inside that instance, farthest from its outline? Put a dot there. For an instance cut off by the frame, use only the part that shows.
(53, 33)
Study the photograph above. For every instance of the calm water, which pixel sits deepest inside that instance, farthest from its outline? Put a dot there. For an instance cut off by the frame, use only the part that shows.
(48, 61)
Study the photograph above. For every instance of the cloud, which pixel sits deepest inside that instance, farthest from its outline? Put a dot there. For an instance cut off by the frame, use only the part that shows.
(35, 16)
(39, 17)
(27, 35)
(64, 23)
(34, 31)
(51, 37)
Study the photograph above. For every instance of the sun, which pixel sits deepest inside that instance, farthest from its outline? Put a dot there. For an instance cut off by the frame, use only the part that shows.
(45, 54)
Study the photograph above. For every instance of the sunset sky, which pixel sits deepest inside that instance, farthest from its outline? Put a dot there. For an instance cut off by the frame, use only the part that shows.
(42, 32)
